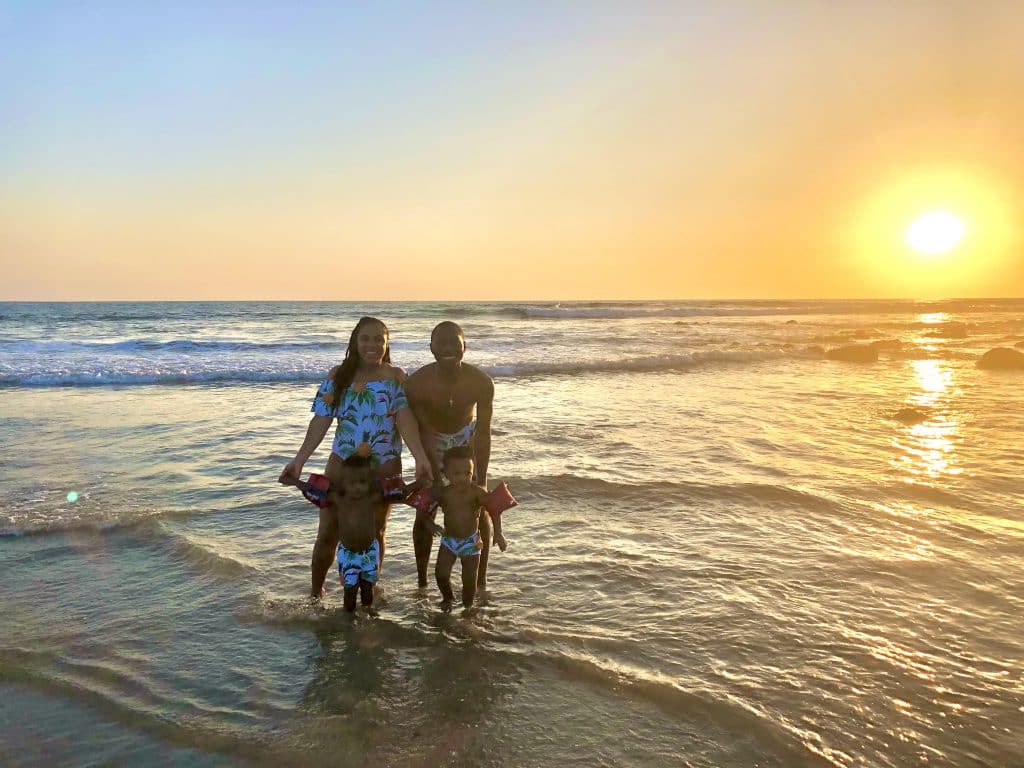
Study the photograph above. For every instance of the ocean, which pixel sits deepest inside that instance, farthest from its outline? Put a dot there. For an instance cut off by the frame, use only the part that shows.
(729, 550)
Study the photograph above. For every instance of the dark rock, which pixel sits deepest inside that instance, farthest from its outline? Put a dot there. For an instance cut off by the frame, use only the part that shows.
(854, 353)
(910, 416)
(1002, 358)
(886, 344)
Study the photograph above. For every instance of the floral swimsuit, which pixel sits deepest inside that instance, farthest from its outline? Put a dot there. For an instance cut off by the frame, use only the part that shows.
(366, 418)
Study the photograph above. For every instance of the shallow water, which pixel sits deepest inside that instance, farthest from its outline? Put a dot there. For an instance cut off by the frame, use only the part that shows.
(727, 552)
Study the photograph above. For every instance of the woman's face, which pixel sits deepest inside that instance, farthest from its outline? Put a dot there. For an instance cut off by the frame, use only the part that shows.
(371, 341)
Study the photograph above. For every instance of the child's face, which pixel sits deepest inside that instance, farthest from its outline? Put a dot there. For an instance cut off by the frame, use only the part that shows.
(356, 482)
(459, 471)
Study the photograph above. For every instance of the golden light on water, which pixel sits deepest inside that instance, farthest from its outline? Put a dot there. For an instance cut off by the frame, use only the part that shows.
(935, 232)
(927, 451)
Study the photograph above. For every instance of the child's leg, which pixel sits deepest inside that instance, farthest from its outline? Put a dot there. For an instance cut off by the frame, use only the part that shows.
(365, 592)
(350, 598)
(443, 572)
(470, 568)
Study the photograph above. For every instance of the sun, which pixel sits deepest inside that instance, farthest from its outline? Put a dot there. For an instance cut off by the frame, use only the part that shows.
(935, 232)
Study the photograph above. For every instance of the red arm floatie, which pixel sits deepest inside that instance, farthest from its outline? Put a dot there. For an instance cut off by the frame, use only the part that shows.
(422, 500)
(315, 489)
(499, 500)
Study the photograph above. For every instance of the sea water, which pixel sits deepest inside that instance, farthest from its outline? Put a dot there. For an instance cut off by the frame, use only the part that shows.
(728, 551)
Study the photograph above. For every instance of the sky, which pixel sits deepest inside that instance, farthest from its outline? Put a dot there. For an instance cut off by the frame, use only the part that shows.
(508, 151)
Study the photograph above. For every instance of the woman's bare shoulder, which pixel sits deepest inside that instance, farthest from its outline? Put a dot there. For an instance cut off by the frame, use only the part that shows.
(394, 373)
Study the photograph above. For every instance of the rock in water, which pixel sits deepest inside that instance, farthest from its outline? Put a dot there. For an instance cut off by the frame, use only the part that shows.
(854, 353)
(1002, 358)
(887, 344)
(910, 416)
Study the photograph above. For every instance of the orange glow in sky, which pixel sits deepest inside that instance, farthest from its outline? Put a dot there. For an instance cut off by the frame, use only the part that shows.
(691, 151)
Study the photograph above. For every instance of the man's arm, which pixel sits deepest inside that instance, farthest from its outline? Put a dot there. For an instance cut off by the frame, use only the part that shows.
(482, 435)
(414, 393)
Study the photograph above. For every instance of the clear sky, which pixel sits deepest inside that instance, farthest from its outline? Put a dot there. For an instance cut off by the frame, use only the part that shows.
(521, 150)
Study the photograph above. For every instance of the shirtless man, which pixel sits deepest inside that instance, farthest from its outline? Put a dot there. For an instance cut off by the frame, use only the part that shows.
(443, 396)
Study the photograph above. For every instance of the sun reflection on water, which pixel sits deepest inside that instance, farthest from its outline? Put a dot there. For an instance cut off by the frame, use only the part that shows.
(933, 318)
(927, 451)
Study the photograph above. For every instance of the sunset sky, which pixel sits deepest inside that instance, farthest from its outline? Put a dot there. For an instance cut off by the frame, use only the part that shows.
(529, 151)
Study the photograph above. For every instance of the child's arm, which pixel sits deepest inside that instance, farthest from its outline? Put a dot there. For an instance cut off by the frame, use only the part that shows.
(497, 536)
(437, 491)
(436, 529)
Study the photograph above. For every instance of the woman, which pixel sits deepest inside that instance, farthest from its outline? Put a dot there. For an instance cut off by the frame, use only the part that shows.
(367, 396)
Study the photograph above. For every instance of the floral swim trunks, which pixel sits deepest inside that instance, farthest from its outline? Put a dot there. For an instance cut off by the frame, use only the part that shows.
(353, 566)
(464, 436)
(466, 547)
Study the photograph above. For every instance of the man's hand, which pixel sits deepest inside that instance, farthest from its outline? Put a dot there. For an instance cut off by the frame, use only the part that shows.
(423, 471)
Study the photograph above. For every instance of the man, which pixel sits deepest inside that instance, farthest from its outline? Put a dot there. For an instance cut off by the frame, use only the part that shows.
(444, 395)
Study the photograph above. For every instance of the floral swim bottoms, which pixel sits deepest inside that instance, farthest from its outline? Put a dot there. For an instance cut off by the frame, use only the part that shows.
(466, 547)
(353, 566)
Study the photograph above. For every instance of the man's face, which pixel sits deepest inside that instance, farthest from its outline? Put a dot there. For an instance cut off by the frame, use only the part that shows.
(448, 346)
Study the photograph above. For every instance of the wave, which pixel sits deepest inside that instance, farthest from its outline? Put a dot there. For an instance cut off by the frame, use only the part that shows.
(627, 313)
(313, 344)
(678, 492)
(177, 345)
(715, 708)
(622, 311)
(203, 556)
(107, 377)
(114, 379)
(47, 518)
(49, 522)
(649, 364)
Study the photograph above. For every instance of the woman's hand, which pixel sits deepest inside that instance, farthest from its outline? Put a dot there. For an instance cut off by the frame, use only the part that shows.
(291, 473)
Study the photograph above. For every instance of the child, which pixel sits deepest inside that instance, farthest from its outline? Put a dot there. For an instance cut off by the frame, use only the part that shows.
(358, 505)
(356, 492)
(463, 503)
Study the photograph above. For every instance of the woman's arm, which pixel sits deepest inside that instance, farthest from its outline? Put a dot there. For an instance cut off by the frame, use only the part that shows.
(409, 429)
(318, 426)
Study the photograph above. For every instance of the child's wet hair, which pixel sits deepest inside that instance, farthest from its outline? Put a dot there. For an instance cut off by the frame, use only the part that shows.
(456, 453)
(355, 461)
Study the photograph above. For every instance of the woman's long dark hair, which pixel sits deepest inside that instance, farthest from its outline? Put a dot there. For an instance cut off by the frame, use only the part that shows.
(347, 370)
